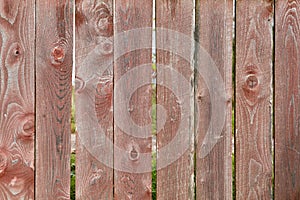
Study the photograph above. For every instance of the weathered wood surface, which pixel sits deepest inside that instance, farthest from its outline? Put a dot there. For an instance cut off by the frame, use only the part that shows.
(214, 24)
(253, 99)
(17, 34)
(54, 22)
(175, 99)
(132, 99)
(287, 100)
(94, 99)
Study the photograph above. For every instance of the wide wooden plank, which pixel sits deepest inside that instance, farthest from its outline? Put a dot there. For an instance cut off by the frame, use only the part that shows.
(214, 33)
(94, 99)
(253, 99)
(132, 99)
(287, 100)
(175, 99)
(54, 21)
(17, 34)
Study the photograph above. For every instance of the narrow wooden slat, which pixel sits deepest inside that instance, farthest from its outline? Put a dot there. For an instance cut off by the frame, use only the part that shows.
(253, 99)
(175, 99)
(132, 99)
(17, 34)
(287, 100)
(53, 98)
(93, 99)
(214, 30)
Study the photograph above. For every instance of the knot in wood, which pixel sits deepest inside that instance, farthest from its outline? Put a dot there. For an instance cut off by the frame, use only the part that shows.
(105, 22)
(3, 162)
(105, 86)
(107, 48)
(14, 55)
(17, 52)
(102, 21)
(133, 154)
(57, 55)
(96, 176)
(28, 128)
(16, 49)
(252, 82)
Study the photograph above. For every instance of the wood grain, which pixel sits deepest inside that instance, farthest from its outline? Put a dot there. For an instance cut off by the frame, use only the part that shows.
(94, 99)
(132, 100)
(54, 21)
(253, 99)
(17, 34)
(175, 178)
(287, 100)
(214, 33)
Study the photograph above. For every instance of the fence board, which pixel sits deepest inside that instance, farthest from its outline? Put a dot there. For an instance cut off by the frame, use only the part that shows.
(114, 99)
(93, 99)
(17, 99)
(253, 99)
(132, 100)
(53, 98)
(287, 100)
(175, 128)
(214, 22)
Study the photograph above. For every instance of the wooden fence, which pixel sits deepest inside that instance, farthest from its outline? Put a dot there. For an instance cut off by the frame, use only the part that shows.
(220, 66)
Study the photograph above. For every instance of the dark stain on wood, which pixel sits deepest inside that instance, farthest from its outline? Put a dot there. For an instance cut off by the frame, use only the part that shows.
(172, 5)
(79, 16)
(60, 16)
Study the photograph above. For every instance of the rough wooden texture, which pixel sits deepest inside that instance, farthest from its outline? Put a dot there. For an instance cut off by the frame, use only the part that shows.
(175, 177)
(287, 100)
(132, 102)
(17, 99)
(54, 21)
(94, 99)
(214, 33)
(253, 99)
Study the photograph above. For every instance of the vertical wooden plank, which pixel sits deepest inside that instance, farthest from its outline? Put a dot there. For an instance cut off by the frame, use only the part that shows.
(17, 34)
(254, 99)
(54, 23)
(214, 22)
(132, 99)
(93, 99)
(175, 99)
(287, 100)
